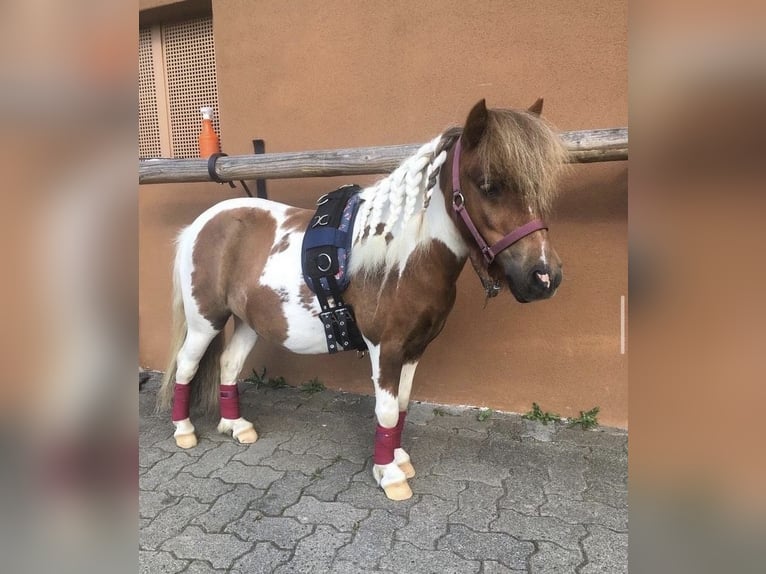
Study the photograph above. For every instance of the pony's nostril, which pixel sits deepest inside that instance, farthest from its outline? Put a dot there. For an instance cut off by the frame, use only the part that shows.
(543, 278)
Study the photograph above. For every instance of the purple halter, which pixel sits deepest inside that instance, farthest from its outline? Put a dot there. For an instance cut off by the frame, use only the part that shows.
(458, 204)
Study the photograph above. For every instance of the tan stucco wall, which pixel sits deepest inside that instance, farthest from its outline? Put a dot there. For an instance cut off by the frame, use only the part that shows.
(311, 75)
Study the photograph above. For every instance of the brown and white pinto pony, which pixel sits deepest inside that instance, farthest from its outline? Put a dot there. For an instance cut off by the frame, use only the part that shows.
(242, 258)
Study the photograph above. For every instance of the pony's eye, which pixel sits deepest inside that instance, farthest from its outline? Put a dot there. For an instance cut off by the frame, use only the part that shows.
(490, 189)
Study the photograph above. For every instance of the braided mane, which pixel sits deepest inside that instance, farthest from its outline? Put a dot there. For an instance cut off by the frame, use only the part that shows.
(392, 209)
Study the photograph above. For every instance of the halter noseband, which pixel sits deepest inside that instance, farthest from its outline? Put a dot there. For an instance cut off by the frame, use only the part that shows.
(458, 204)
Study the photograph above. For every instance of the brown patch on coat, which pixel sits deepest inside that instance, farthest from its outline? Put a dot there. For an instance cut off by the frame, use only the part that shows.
(412, 309)
(282, 245)
(307, 299)
(297, 219)
(229, 257)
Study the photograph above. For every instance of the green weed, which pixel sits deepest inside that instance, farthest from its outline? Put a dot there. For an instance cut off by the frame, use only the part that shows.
(484, 415)
(587, 420)
(537, 414)
(312, 386)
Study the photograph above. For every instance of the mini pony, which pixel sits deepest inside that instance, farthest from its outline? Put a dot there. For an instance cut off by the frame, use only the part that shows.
(478, 192)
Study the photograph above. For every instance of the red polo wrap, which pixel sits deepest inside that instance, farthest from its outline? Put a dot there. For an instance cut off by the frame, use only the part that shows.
(181, 402)
(388, 439)
(229, 395)
(399, 427)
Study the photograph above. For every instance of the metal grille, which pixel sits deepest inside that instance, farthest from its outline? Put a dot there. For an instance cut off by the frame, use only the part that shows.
(149, 144)
(189, 55)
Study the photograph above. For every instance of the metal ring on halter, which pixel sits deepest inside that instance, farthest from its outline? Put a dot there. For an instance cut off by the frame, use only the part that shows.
(458, 195)
(329, 262)
(324, 199)
(321, 220)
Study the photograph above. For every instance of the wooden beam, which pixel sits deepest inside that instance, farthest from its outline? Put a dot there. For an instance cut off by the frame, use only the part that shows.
(584, 147)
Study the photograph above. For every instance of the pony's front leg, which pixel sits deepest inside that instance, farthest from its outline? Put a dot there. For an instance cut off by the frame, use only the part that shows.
(232, 360)
(386, 470)
(405, 386)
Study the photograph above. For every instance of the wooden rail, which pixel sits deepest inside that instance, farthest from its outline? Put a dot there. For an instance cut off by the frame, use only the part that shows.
(584, 147)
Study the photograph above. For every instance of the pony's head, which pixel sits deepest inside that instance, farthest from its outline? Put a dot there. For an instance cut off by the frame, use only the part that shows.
(507, 164)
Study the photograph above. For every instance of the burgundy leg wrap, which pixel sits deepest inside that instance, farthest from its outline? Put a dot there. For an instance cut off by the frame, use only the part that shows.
(181, 402)
(385, 441)
(399, 427)
(229, 401)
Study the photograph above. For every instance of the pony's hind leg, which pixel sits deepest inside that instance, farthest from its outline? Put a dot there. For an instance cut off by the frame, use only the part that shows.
(187, 362)
(405, 386)
(232, 360)
(386, 470)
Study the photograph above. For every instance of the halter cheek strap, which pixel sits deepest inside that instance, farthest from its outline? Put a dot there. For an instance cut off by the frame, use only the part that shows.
(458, 205)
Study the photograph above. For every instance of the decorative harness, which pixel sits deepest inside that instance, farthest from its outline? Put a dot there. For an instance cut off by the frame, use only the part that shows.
(324, 258)
(489, 252)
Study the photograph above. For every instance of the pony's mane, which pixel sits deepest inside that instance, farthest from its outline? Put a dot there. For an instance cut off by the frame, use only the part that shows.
(526, 153)
(517, 146)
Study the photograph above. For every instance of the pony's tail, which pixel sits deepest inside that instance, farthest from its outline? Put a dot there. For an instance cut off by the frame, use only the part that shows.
(177, 337)
(204, 384)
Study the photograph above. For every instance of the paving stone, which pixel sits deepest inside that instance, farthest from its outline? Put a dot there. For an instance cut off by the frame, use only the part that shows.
(615, 495)
(305, 463)
(264, 558)
(576, 511)
(151, 562)
(263, 448)
(523, 490)
(332, 480)
(256, 476)
(477, 506)
(164, 470)
(149, 456)
(346, 567)
(203, 489)
(315, 553)
(170, 522)
(492, 567)
(284, 532)
(546, 528)
(218, 549)
(228, 507)
(428, 521)
(199, 567)
(151, 503)
(372, 539)
(607, 551)
(476, 471)
(538, 431)
(485, 546)
(566, 471)
(553, 559)
(405, 557)
(341, 515)
(282, 493)
(425, 450)
(214, 459)
(441, 486)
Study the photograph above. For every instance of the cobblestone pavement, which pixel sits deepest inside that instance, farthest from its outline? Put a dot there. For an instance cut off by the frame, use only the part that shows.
(502, 495)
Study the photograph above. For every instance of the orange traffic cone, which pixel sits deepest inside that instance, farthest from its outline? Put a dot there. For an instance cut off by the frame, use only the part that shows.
(208, 139)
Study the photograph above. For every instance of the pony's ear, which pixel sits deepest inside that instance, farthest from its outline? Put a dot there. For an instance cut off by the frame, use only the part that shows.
(537, 107)
(475, 124)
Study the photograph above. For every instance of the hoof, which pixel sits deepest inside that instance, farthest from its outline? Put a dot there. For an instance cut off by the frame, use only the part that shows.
(247, 436)
(398, 491)
(407, 469)
(186, 440)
